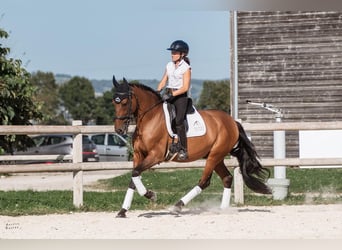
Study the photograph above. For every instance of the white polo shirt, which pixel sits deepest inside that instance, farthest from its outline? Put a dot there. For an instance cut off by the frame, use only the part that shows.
(175, 75)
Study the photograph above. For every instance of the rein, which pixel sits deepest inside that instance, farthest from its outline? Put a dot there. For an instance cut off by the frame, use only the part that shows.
(149, 109)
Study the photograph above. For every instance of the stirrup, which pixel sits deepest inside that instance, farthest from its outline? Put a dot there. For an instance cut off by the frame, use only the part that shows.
(182, 155)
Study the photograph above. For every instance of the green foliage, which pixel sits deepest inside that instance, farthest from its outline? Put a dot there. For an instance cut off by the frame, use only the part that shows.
(18, 105)
(215, 95)
(47, 93)
(78, 97)
(104, 112)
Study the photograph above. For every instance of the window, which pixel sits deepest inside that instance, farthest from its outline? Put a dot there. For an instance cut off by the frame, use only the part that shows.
(111, 140)
(38, 141)
(98, 139)
(115, 140)
(55, 140)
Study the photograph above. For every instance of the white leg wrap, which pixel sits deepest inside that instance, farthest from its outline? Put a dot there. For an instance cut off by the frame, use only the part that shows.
(139, 185)
(225, 198)
(128, 199)
(192, 194)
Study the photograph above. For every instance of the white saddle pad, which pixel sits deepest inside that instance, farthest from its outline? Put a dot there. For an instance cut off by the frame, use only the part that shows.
(195, 121)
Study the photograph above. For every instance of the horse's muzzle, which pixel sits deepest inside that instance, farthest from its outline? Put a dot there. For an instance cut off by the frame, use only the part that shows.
(120, 131)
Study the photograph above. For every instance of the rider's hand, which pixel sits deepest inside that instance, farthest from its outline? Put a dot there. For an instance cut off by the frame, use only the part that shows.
(167, 97)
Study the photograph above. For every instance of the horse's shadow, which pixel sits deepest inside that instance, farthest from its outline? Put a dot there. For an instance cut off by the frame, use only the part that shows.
(157, 214)
(200, 211)
(254, 210)
(171, 213)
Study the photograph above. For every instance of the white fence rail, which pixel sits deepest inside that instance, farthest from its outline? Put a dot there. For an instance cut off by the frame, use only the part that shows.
(77, 166)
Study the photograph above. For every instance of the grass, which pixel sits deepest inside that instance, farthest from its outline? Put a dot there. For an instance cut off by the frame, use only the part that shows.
(308, 186)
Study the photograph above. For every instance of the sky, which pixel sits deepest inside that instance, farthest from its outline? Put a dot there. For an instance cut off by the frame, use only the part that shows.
(97, 39)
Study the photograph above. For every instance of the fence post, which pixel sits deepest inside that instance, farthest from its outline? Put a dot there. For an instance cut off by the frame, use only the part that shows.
(279, 183)
(238, 186)
(78, 174)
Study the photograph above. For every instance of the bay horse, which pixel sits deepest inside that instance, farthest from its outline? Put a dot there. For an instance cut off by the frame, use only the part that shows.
(151, 141)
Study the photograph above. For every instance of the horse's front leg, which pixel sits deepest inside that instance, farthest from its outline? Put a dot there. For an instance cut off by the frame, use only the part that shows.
(136, 184)
(142, 191)
(127, 201)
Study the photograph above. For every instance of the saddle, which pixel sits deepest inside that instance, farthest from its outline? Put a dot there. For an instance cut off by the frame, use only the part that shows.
(194, 122)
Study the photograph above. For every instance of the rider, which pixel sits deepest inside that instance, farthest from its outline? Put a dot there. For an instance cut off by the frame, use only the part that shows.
(178, 77)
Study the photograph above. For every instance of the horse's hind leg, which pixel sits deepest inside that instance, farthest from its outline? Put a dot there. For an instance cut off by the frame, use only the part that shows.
(227, 180)
(203, 183)
(192, 194)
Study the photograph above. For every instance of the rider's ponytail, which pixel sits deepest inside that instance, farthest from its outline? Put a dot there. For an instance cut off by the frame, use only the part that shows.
(186, 59)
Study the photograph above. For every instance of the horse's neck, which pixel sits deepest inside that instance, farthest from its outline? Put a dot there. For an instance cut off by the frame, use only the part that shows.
(147, 106)
(147, 117)
(150, 124)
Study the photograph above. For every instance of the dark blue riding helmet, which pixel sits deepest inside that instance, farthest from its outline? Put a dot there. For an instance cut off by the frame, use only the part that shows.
(180, 46)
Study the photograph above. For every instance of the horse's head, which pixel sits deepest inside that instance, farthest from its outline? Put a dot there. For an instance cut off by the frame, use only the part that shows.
(132, 100)
(123, 104)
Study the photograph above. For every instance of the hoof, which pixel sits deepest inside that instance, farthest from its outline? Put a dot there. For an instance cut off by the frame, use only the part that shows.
(151, 195)
(177, 209)
(122, 213)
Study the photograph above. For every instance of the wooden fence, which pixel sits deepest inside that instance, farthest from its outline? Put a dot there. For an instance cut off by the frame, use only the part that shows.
(77, 166)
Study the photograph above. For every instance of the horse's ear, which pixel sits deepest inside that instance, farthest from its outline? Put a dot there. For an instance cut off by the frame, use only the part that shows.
(115, 83)
(125, 81)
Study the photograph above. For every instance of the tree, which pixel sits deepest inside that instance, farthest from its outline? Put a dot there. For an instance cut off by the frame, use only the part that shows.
(78, 96)
(47, 93)
(104, 109)
(18, 105)
(215, 95)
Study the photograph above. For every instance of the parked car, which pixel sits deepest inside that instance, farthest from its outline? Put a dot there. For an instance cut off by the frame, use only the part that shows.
(90, 152)
(111, 147)
(59, 145)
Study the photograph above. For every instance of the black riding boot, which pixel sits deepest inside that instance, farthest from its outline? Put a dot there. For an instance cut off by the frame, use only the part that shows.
(182, 141)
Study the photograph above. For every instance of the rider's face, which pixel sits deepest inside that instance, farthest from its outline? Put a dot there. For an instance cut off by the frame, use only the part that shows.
(175, 55)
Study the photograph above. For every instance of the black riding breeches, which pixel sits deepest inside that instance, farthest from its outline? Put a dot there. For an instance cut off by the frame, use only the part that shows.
(180, 102)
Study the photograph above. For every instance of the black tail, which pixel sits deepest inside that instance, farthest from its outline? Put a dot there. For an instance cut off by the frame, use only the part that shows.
(254, 175)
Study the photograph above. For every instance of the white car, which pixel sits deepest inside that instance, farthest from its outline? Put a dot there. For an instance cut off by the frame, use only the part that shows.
(111, 147)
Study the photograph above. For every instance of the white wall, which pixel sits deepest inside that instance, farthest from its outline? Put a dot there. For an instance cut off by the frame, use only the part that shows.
(320, 144)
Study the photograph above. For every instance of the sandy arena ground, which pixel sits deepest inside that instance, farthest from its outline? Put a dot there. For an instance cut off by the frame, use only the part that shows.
(277, 222)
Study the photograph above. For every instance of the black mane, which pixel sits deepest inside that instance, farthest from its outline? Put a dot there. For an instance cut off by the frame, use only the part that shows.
(147, 88)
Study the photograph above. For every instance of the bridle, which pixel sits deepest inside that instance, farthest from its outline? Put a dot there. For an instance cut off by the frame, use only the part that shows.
(119, 97)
